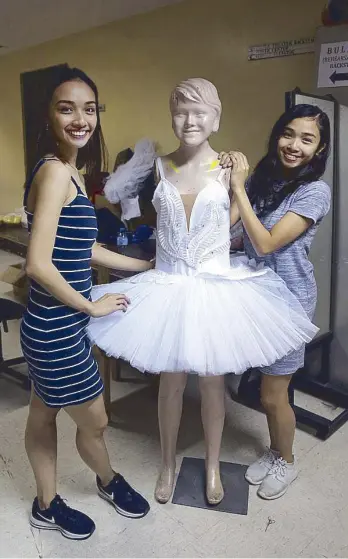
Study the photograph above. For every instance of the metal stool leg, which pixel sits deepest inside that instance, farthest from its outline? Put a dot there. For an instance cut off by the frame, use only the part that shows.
(6, 365)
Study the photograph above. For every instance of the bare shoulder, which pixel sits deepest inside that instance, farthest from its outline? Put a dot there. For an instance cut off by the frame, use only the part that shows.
(52, 169)
(168, 160)
(168, 157)
(50, 185)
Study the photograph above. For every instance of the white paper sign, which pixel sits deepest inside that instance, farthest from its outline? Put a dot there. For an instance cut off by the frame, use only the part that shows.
(283, 48)
(333, 65)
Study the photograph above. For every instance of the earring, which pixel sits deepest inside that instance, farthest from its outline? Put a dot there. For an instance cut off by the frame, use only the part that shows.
(47, 127)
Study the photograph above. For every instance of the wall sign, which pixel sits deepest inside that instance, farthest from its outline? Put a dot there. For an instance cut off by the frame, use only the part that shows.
(333, 65)
(283, 48)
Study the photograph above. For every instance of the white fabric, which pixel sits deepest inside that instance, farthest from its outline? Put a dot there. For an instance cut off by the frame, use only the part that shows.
(127, 180)
(200, 311)
(130, 208)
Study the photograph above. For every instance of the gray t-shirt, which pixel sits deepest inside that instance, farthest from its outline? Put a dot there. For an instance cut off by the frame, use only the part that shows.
(291, 262)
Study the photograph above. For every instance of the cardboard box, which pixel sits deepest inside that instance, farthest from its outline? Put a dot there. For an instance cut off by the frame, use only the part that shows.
(15, 275)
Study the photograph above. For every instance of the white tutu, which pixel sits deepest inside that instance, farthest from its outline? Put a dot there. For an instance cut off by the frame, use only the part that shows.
(209, 326)
(198, 312)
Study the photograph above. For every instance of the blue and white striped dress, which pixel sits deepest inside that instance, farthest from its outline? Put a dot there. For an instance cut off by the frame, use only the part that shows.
(53, 336)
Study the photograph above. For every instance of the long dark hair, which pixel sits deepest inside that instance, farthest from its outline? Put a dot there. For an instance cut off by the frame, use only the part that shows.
(269, 173)
(93, 156)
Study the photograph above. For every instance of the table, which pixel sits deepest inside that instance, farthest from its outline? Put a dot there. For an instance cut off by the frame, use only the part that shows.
(15, 239)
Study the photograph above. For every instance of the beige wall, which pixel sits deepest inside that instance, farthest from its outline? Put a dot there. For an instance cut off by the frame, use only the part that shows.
(136, 62)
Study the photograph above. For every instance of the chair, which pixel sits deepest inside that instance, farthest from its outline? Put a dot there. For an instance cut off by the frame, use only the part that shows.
(10, 310)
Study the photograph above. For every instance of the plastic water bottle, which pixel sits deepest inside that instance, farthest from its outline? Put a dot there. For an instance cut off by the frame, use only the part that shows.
(122, 238)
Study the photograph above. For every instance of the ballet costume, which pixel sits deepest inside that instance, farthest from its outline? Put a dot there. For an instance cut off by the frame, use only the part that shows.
(200, 310)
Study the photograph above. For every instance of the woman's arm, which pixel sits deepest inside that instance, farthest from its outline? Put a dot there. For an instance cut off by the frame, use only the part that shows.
(104, 257)
(289, 228)
(226, 163)
(51, 186)
(234, 213)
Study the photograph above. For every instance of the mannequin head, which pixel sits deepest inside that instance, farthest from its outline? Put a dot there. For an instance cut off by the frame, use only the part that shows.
(196, 110)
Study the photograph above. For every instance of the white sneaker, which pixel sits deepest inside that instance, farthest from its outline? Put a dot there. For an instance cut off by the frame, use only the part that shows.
(257, 471)
(278, 479)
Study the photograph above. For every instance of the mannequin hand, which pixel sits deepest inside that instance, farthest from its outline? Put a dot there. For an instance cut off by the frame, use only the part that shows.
(108, 304)
(239, 168)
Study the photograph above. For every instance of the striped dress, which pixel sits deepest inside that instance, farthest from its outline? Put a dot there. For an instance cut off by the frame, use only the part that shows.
(53, 335)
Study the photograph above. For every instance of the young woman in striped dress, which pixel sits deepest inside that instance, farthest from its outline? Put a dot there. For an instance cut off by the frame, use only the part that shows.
(62, 245)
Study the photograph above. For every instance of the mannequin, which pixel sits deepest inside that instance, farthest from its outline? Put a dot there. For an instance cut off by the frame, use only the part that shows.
(197, 311)
(187, 169)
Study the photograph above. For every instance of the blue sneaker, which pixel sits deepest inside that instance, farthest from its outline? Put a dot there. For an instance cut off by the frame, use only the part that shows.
(71, 523)
(122, 496)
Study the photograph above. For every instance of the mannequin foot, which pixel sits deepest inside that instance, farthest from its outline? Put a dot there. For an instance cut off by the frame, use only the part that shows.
(214, 490)
(165, 484)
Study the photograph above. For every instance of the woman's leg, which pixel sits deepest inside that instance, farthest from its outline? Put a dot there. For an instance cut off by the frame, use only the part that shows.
(213, 417)
(282, 422)
(41, 447)
(49, 511)
(280, 415)
(91, 421)
(170, 401)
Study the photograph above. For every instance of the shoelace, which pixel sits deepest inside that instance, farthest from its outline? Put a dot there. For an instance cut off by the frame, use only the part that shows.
(278, 469)
(120, 482)
(64, 511)
(268, 457)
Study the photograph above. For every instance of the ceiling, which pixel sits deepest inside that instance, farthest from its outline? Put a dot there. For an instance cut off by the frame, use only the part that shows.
(25, 23)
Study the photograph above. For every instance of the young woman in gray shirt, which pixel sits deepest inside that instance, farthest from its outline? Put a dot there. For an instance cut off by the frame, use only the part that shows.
(281, 206)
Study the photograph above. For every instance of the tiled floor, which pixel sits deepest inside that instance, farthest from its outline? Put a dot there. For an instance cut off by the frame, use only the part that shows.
(310, 521)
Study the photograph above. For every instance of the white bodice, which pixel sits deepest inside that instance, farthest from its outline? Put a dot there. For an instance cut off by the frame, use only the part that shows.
(201, 246)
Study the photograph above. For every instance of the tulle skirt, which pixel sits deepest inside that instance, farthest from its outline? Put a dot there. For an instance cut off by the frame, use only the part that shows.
(208, 324)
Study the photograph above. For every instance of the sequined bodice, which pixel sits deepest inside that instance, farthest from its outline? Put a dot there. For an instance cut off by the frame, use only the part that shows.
(203, 243)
